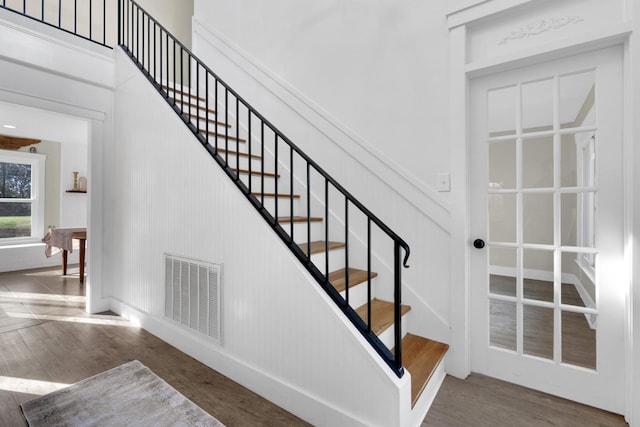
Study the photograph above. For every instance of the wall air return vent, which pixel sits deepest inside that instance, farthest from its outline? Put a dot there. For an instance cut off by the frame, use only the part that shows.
(193, 295)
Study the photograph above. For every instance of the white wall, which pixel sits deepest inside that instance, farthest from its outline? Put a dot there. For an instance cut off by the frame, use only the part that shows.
(170, 196)
(378, 69)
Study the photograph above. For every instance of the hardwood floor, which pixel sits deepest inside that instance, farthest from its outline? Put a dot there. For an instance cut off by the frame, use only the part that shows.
(481, 401)
(47, 341)
(45, 338)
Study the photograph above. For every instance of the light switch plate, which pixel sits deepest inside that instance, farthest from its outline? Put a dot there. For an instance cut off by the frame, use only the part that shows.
(443, 184)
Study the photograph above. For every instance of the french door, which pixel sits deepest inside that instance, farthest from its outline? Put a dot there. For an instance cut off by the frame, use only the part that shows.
(548, 285)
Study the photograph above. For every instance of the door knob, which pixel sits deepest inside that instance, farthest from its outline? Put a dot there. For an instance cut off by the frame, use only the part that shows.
(478, 243)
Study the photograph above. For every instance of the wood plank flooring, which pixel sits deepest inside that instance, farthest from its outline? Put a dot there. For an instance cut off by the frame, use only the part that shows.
(481, 401)
(46, 336)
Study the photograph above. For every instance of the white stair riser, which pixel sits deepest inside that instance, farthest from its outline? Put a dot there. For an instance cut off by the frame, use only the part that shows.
(336, 259)
(269, 183)
(300, 232)
(243, 161)
(284, 206)
(387, 336)
(358, 294)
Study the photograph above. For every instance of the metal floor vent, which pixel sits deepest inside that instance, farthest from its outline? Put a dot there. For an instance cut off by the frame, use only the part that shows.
(192, 295)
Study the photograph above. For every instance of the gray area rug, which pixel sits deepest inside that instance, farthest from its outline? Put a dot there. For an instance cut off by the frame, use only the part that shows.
(128, 395)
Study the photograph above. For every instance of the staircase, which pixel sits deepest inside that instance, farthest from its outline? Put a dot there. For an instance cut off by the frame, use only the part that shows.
(422, 356)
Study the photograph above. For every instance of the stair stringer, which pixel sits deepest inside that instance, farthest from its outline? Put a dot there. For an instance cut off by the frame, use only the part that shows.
(283, 337)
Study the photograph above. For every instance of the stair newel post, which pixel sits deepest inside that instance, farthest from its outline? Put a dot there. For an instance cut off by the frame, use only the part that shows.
(397, 301)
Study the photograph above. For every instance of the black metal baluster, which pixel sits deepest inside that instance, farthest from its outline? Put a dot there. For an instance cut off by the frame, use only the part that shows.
(120, 18)
(308, 211)
(198, 97)
(326, 229)
(275, 173)
(182, 84)
(189, 98)
(24, 7)
(215, 107)
(238, 139)
(290, 188)
(346, 249)
(75, 16)
(262, 162)
(137, 34)
(142, 44)
(155, 52)
(397, 295)
(206, 106)
(91, 19)
(249, 141)
(175, 80)
(368, 274)
(41, 8)
(226, 131)
(104, 22)
(59, 13)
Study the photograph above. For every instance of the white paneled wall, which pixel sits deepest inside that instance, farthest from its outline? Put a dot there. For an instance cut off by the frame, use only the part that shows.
(282, 336)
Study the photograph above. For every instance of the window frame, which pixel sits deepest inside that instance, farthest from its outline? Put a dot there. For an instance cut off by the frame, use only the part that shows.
(38, 191)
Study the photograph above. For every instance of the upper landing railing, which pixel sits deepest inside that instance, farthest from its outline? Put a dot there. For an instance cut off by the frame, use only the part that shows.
(93, 20)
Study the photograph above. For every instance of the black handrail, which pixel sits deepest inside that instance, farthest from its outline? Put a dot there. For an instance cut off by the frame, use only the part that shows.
(95, 15)
(177, 62)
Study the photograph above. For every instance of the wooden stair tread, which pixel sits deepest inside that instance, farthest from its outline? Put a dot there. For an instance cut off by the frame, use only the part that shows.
(267, 174)
(382, 315)
(319, 246)
(338, 279)
(201, 107)
(421, 357)
(212, 121)
(185, 93)
(280, 195)
(235, 153)
(298, 219)
(221, 135)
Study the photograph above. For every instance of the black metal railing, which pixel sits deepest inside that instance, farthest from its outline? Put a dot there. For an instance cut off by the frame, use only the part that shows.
(92, 20)
(211, 109)
(229, 127)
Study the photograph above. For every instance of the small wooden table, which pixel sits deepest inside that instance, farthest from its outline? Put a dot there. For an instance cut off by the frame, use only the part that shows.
(61, 239)
(82, 237)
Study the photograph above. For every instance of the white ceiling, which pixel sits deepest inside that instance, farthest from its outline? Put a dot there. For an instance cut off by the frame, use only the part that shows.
(41, 124)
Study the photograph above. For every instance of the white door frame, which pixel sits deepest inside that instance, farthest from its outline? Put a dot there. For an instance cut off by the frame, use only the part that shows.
(461, 72)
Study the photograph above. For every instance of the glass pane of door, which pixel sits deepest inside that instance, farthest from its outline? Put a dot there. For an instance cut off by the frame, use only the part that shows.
(542, 205)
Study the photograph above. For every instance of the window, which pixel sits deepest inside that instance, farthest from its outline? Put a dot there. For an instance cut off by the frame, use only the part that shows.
(22, 191)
